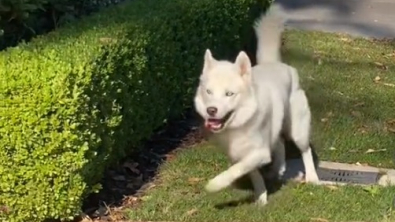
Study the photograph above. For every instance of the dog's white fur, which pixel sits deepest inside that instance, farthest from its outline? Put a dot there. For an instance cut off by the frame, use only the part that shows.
(264, 101)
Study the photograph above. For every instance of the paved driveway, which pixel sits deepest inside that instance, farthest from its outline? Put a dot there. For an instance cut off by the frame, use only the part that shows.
(367, 18)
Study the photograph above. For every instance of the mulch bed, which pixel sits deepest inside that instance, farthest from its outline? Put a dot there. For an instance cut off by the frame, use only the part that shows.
(124, 184)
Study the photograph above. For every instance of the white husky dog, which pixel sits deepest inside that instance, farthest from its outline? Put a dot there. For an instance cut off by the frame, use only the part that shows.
(248, 108)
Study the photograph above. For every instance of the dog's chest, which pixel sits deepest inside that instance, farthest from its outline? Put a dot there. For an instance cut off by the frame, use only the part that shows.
(236, 147)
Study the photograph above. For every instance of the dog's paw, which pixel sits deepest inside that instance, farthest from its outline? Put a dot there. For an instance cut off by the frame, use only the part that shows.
(312, 178)
(282, 170)
(261, 200)
(220, 182)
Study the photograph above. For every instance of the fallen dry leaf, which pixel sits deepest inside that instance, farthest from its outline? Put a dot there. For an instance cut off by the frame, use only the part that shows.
(170, 157)
(344, 39)
(381, 65)
(324, 120)
(359, 104)
(192, 212)
(375, 151)
(130, 200)
(340, 93)
(389, 55)
(4, 209)
(217, 167)
(116, 214)
(132, 167)
(390, 126)
(348, 61)
(356, 113)
(166, 209)
(331, 187)
(148, 186)
(85, 218)
(327, 116)
(194, 180)
(391, 121)
(102, 211)
(388, 84)
(363, 129)
(378, 63)
(361, 164)
(145, 197)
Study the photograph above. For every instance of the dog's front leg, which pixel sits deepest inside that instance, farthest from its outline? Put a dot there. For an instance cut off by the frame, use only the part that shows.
(250, 162)
(259, 187)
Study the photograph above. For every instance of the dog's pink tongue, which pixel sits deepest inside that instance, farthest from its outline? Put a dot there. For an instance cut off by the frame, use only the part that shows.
(213, 124)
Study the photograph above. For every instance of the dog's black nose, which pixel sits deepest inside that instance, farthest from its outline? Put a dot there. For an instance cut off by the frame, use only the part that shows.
(212, 111)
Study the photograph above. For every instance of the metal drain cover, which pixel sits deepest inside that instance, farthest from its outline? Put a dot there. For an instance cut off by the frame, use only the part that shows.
(347, 176)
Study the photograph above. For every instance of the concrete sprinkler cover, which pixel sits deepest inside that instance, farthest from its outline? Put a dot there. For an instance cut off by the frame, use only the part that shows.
(343, 173)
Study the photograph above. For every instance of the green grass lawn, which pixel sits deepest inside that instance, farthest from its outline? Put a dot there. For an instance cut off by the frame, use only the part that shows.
(351, 87)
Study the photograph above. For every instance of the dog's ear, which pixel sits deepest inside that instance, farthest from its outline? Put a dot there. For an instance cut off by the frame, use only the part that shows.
(244, 64)
(208, 61)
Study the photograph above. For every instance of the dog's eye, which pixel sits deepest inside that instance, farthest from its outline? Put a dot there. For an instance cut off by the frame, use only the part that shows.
(208, 91)
(229, 93)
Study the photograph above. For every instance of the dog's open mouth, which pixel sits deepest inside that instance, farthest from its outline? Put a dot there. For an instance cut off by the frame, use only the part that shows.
(217, 124)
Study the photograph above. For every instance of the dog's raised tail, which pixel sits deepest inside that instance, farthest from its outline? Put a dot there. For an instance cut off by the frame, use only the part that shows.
(268, 30)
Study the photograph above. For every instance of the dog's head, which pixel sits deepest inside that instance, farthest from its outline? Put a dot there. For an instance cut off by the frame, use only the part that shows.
(224, 97)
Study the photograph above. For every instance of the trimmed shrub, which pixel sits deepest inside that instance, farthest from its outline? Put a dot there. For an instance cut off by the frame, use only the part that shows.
(76, 100)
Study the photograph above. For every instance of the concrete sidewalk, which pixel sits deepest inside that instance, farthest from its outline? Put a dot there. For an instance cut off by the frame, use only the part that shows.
(366, 18)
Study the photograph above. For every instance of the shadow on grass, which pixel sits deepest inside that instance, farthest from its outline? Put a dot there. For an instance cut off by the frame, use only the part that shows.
(272, 187)
(133, 175)
(235, 203)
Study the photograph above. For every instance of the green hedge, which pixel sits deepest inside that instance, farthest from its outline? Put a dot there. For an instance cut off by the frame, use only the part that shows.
(80, 98)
